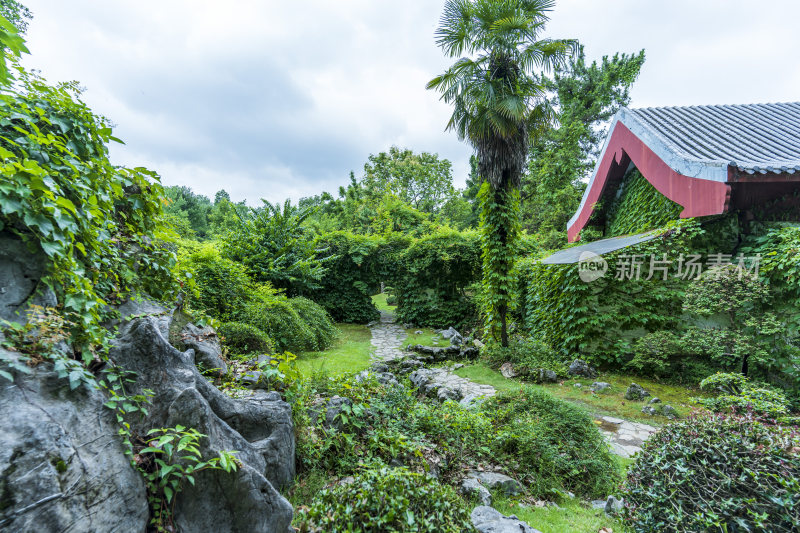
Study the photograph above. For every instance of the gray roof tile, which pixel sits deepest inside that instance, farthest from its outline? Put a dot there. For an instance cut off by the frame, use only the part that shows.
(755, 138)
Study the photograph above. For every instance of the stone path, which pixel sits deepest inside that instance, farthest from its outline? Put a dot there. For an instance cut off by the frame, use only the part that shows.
(626, 438)
(387, 338)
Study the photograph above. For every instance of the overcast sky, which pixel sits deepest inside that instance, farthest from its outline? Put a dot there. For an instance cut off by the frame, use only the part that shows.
(280, 99)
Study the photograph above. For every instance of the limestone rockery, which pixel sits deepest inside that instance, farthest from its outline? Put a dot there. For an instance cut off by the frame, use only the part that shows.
(63, 466)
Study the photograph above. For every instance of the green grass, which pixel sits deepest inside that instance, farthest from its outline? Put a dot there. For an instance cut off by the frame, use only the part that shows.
(380, 302)
(349, 353)
(609, 402)
(426, 338)
(571, 515)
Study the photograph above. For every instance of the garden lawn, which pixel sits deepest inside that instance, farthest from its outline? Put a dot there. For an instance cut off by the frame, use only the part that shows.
(609, 402)
(350, 353)
(380, 302)
(570, 515)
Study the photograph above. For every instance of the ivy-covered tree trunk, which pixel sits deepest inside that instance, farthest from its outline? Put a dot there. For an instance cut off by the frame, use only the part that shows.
(499, 235)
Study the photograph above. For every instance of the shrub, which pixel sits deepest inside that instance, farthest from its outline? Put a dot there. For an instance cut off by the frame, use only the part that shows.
(435, 279)
(352, 275)
(527, 355)
(738, 393)
(219, 286)
(388, 500)
(318, 321)
(243, 338)
(271, 312)
(554, 444)
(715, 472)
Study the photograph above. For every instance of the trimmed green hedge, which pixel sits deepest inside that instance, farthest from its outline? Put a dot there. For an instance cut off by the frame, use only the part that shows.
(435, 278)
(243, 338)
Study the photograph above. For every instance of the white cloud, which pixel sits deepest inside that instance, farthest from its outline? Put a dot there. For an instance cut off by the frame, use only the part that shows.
(276, 99)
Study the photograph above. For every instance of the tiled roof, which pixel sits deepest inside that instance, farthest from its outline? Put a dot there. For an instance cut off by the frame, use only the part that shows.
(754, 138)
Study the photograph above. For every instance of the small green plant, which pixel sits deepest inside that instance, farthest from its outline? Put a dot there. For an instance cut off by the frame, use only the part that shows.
(528, 355)
(387, 500)
(38, 340)
(172, 456)
(715, 472)
(737, 393)
(243, 338)
(279, 370)
(124, 404)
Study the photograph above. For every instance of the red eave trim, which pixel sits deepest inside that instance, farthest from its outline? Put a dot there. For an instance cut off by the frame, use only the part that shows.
(698, 197)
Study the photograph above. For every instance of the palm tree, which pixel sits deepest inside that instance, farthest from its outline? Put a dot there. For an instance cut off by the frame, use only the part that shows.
(498, 103)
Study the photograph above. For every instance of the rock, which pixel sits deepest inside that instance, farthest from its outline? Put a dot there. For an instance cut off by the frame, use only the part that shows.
(599, 386)
(472, 487)
(669, 411)
(21, 269)
(332, 409)
(409, 325)
(445, 385)
(577, 385)
(258, 427)
(507, 370)
(387, 378)
(613, 505)
(478, 344)
(487, 519)
(583, 369)
(456, 340)
(450, 332)
(497, 481)
(379, 367)
(253, 379)
(598, 504)
(207, 350)
(653, 400)
(62, 465)
(636, 393)
(649, 410)
(418, 332)
(546, 376)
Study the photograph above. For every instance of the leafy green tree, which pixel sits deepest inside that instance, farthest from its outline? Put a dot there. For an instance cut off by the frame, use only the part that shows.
(195, 208)
(499, 104)
(13, 24)
(16, 14)
(587, 96)
(274, 245)
(422, 180)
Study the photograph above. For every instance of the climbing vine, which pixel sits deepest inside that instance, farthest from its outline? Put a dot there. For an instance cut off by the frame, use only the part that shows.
(639, 207)
(96, 223)
(500, 228)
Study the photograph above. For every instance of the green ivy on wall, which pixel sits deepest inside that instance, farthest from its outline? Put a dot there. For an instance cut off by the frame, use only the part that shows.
(639, 207)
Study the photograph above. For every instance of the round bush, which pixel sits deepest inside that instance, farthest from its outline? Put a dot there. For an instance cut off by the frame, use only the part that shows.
(219, 286)
(271, 312)
(243, 338)
(318, 321)
(714, 472)
(389, 500)
(554, 444)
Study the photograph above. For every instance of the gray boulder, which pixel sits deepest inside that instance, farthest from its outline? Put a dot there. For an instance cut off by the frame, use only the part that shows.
(449, 332)
(613, 505)
(654, 400)
(206, 346)
(668, 411)
(507, 370)
(62, 465)
(487, 519)
(544, 375)
(329, 410)
(21, 270)
(580, 368)
(636, 393)
(649, 410)
(497, 481)
(599, 386)
(258, 427)
(472, 487)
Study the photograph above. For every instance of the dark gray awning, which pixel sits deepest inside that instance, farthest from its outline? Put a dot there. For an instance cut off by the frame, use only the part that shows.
(572, 255)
